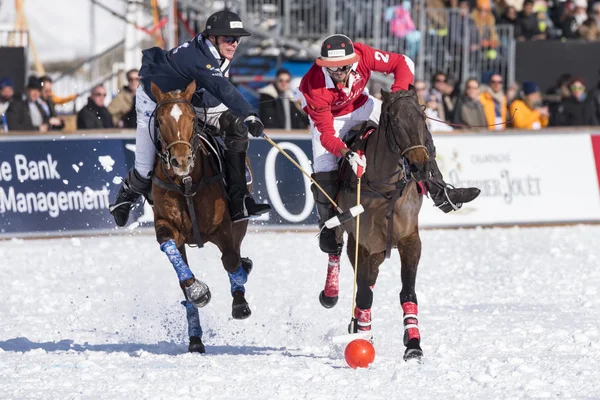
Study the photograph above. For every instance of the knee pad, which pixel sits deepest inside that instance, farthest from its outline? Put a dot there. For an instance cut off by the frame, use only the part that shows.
(236, 145)
(329, 182)
(235, 132)
(227, 120)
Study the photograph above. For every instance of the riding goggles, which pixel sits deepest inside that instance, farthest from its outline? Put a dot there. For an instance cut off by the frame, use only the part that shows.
(231, 39)
(340, 69)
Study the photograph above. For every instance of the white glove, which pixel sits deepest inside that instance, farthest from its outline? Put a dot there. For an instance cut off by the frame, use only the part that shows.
(357, 162)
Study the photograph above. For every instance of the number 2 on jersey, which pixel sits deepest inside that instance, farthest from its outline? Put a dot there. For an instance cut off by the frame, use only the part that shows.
(379, 56)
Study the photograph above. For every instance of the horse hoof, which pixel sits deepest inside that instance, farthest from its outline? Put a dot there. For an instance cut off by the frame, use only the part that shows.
(196, 345)
(327, 302)
(198, 293)
(413, 350)
(247, 264)
(240, 311)
(240, 308)
(413, 354)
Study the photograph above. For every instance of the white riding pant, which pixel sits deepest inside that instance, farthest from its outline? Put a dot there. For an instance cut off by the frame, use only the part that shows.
(145, 151)
(324, 161)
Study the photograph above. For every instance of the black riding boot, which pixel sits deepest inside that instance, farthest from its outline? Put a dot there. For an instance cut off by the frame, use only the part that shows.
(132, 188)
(330, 240)
(446, 197)
(241, 204)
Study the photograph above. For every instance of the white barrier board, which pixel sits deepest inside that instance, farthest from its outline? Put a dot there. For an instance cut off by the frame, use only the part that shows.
(530, 178)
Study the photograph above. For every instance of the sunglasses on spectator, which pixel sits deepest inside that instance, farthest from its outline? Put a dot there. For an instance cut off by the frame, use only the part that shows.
(133, 79)
(421, 88)
(577, 87)
(231, 39)
(496, 82)
(472, 87)
(440, 80)
(284, 80)
(340, 69)
(99, 94)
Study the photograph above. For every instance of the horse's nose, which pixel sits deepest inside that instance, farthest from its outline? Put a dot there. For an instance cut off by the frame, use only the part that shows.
(174, 162)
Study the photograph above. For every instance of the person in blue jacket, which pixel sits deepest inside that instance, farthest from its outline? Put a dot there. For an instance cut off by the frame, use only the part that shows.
(206, 59)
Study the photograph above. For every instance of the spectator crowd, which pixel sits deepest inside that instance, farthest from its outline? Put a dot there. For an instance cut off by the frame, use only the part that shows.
(35, 109)
(449, 105)
(531, 19)
(488, 105)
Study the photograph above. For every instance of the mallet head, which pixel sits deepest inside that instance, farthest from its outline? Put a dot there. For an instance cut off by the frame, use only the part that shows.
(345, 216)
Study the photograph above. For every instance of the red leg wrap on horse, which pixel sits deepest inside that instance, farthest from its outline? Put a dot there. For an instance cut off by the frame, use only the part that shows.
(411, 322)
(363, 318)
(332, 284)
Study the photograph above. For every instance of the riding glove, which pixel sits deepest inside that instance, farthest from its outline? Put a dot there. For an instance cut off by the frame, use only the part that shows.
(254, 125)
(357, 162)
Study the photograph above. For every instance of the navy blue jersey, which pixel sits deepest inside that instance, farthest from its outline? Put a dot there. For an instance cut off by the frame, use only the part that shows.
(193, 60)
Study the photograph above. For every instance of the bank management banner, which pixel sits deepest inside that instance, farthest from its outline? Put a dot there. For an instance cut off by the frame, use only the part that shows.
(53, 185)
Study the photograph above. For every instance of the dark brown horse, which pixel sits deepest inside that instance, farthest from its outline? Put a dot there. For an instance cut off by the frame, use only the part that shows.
(190, 204)
(396, 160)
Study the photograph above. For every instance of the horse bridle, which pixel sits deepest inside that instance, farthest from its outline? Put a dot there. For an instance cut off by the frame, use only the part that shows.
(390, 127)
(163, 151)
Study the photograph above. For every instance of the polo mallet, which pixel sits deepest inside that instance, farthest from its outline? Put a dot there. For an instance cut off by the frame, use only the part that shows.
(342, 216)
(367, 335)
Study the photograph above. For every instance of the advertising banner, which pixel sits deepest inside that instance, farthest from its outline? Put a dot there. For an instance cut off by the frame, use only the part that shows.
(53, 185)
(528, 178)
(60, 184)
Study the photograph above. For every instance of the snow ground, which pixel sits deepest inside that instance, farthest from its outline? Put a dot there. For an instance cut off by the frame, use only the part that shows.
(505, 314)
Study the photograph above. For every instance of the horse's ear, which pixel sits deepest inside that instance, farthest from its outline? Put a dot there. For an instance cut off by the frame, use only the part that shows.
(412, 89)
(158, 94)
(189, 91)
(385, 95)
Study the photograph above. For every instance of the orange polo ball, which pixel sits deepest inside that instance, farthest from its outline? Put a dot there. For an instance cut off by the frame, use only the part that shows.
(359, 353)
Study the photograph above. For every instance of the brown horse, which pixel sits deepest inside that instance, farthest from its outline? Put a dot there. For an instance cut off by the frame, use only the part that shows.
(190, 205)
(397, 158)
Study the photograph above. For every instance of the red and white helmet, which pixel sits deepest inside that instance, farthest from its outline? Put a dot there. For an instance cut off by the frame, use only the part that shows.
(337, 51)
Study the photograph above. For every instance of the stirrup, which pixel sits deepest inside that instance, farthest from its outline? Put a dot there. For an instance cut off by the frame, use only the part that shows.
(454, 206)
(113, 207)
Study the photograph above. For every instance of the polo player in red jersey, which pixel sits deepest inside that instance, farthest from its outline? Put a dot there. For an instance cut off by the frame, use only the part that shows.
(335, 98)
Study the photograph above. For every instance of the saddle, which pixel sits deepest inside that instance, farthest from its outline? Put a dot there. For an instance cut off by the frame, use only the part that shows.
(357, 140)
(216, 136)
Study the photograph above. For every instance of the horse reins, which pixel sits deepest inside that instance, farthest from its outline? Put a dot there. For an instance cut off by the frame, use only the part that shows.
(187, 187)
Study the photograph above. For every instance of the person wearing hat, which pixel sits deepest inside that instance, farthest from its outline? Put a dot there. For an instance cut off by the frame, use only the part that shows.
(206, 59)
(27, 114)
(529, 112)
(334, 97)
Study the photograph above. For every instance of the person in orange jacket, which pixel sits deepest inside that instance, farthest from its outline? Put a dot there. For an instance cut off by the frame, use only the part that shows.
(494, 103)
(529, 113)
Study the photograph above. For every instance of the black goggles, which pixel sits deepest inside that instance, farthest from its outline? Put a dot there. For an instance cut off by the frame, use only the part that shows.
(340, 69)
(231, 39)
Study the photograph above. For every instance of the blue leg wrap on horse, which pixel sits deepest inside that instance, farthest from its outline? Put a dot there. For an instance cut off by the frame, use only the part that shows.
(193, 319)
(237, 280)
(183, 271)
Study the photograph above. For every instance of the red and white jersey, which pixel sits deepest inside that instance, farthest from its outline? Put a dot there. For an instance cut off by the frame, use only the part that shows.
(323, 100)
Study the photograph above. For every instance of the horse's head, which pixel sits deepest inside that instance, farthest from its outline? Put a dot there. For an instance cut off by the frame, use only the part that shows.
(403, 123)
(177, 128)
